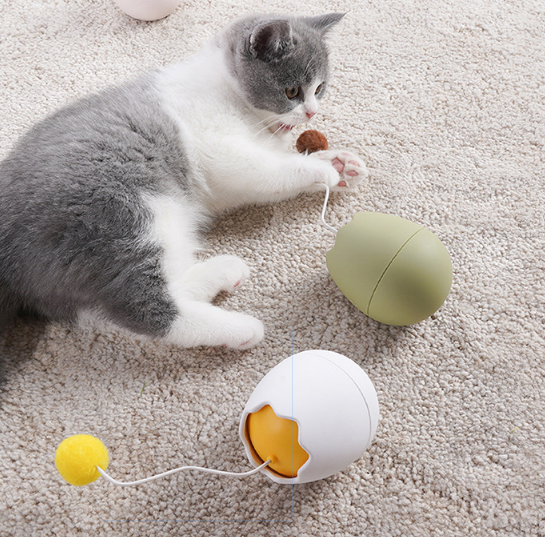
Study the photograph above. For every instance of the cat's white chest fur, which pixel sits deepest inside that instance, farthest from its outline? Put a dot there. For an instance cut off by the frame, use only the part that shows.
(228, 143)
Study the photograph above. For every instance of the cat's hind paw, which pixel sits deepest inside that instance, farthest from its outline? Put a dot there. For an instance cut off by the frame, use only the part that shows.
(205, 280)
(231, 273)
(247, 334)
(200, 323)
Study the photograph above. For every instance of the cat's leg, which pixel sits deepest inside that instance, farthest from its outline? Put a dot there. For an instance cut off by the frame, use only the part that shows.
(200, 323)
(171, 307)
(172, 229)
(155, 288)
(187, 322)
(183, 287)
(340, 170)
(250, 172)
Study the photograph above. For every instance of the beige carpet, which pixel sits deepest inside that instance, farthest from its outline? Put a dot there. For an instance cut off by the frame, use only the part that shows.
(445, 100)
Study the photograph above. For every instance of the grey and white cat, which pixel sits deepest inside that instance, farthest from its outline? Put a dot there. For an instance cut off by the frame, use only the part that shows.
(101, 203)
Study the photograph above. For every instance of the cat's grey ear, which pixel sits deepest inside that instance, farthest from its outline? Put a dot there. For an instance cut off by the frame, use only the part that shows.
(324, 23)
(271, 40)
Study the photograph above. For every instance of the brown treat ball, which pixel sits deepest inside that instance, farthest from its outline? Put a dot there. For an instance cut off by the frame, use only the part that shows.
(311, 141)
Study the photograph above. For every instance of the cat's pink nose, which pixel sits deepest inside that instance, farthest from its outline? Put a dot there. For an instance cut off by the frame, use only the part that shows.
(310, 115)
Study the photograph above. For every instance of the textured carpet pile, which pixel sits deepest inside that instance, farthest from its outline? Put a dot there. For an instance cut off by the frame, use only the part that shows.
(445, 101)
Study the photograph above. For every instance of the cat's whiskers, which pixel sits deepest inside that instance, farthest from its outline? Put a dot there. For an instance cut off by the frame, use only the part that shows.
(281, 126)
(271, 122)
(263, 121)
(265, 128)
(277, 130)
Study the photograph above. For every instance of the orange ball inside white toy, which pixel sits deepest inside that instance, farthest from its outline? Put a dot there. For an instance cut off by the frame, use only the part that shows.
(275, 439)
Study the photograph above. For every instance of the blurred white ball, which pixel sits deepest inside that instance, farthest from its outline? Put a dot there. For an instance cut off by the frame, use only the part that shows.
(148, 10)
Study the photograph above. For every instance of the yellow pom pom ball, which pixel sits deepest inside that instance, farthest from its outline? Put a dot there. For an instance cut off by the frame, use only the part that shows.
(78, 456)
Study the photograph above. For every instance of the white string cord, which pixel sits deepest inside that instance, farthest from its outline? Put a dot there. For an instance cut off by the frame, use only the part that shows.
(331, 229)
(176, 470)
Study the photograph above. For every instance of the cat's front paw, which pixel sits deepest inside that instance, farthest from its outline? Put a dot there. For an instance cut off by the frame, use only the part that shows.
(350, 169)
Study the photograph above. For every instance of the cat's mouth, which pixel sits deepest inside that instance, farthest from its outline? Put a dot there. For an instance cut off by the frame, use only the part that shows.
(282, 127)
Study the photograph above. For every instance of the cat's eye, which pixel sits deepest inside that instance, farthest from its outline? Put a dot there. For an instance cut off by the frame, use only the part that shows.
(291, 93)
(319, 89)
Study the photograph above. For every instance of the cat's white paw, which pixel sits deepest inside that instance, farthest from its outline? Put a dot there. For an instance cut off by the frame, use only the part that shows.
(203, 281)
(243, 331)
(230, 272)
(200, 323)
(350, 168)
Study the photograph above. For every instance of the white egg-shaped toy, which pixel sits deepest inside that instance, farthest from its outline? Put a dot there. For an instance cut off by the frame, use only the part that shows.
(148, 10)
(312, 415)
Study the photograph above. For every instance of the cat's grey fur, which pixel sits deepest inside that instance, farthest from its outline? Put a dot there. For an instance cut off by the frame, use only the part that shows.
(72, 214)
(76, 229)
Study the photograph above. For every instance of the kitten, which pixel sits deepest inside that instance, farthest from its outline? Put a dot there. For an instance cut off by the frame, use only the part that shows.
(102, 201)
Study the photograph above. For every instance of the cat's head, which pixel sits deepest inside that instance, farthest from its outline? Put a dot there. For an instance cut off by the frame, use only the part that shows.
(280, 65)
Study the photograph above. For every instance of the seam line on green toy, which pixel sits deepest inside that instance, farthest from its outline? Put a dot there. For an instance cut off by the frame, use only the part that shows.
(176, 470)
(386, 269)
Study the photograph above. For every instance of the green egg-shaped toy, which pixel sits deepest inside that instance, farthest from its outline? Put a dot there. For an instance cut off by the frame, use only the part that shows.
(393, 270)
